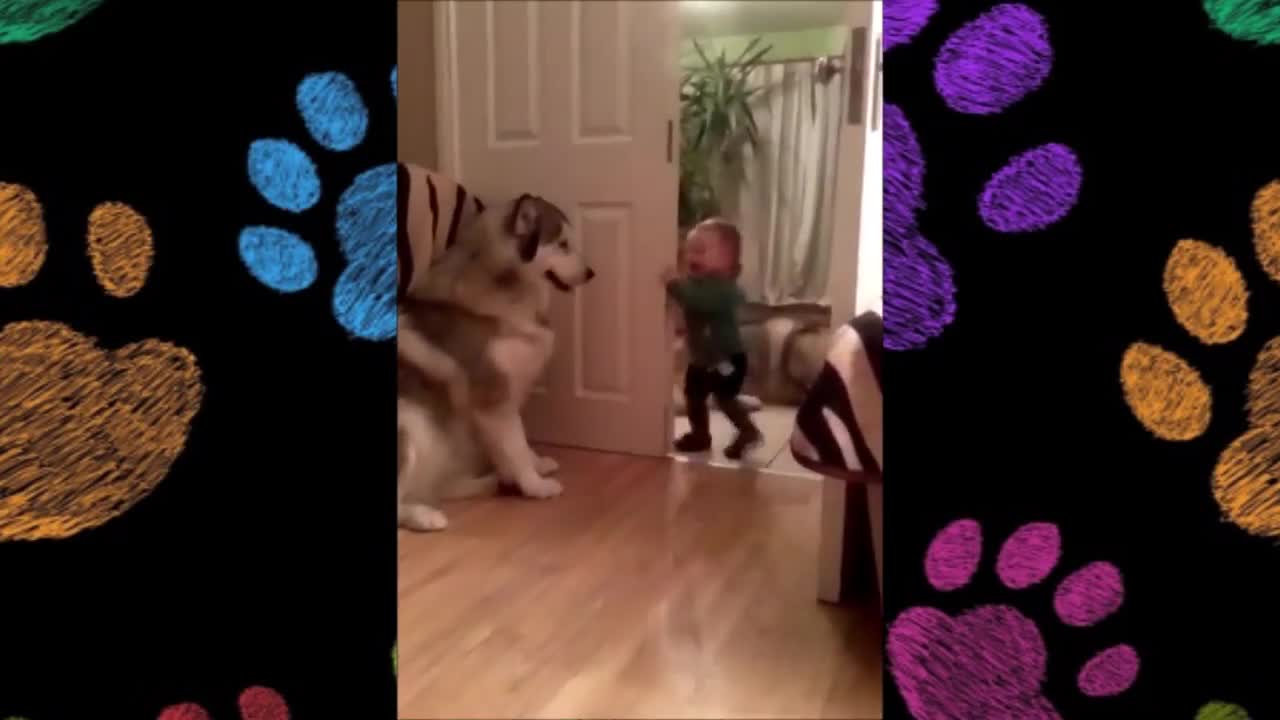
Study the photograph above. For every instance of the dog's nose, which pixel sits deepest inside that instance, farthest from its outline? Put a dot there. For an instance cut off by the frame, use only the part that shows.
(590, 274)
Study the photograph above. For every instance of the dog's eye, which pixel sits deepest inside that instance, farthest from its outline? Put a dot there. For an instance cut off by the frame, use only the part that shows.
(564, 245)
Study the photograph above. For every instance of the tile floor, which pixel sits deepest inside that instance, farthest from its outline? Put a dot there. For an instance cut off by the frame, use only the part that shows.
(775, 423)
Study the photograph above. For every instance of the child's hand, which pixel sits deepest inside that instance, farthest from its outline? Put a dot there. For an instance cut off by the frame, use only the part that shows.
(669, 275)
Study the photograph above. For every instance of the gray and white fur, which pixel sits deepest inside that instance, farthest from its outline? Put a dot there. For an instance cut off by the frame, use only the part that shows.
(471, 345)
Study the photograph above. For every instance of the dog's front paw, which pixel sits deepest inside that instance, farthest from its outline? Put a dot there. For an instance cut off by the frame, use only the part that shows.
(541, 487)
(546, 465)
(424, 519)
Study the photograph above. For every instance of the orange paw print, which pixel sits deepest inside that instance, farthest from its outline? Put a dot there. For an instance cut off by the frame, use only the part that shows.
(1208, 297)
(85, 432)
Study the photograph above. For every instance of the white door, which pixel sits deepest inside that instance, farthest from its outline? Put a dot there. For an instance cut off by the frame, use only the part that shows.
(571, 101)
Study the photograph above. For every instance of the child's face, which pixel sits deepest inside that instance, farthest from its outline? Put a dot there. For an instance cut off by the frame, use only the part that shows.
(706, 253)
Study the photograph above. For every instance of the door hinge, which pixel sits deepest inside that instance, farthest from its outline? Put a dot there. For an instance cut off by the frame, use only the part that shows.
(670, 133)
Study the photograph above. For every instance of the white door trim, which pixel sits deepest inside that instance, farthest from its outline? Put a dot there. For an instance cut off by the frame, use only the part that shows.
(449, 146)
(851, 180)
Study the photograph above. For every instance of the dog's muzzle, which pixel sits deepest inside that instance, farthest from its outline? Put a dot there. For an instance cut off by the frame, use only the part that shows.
(559, 284)
(563, 286)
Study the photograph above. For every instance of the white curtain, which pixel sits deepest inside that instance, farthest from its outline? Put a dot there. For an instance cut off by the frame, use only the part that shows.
(784, 199)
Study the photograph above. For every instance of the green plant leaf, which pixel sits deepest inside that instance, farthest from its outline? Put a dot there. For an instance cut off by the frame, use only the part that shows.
(717, 121)
(753, 132)
(749, 64)
(701, 135)
(754, 41)
(697, 46)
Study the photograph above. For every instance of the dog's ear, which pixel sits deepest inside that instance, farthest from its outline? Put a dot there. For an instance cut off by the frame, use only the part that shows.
(551, 222)
(522, 224)
(523, 220)
(528, 247)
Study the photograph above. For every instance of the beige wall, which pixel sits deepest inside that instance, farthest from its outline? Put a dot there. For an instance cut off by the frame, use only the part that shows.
(416, 113)
(783, 46)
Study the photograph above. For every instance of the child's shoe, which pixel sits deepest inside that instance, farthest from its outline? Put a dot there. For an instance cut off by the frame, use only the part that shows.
(746, 441)
(693, 443)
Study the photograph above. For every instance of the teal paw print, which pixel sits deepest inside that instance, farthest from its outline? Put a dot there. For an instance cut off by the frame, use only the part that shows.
(285, 175)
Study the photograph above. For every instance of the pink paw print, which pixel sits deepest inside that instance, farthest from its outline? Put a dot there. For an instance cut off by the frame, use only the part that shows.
(990, 661)
(256, 703)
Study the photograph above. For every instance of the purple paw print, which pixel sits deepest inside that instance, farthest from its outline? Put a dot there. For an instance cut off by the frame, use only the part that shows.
(920, 295)
(904, 18)
(984, 68)
(990, 661)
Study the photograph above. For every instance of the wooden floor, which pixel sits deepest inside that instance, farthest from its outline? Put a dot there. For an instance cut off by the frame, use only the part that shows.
(651, 589)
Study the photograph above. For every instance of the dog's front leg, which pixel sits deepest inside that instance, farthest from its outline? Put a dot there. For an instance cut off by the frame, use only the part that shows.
(502, 433)
(432, 364)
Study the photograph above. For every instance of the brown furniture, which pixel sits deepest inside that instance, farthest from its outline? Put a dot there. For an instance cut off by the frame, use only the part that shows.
(839, 435)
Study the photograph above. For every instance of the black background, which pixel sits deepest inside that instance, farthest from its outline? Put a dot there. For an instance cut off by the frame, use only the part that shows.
(1016, 414)
(267, 557)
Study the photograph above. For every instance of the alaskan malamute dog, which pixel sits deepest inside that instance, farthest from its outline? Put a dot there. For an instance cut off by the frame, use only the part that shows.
(471, 346)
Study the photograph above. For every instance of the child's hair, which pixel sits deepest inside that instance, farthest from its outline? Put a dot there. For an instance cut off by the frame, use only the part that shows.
(728, 234)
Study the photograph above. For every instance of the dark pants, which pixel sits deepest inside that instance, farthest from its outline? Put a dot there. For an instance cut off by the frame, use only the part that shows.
(700, 382)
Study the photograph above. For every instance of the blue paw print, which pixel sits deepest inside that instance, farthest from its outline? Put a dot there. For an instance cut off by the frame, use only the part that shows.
(285, 175)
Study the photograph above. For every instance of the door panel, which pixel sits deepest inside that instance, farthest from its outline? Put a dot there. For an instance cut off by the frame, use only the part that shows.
(566, 100)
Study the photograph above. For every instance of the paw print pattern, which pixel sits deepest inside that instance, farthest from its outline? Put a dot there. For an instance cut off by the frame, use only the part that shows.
(991, 660)
(984, 68)
(1217, 710)
(1252, 21)
(285, 176)
(1208, 298)
(904, 18)
(23, 21)
(256, 703)
(85, 432)
(920, 293)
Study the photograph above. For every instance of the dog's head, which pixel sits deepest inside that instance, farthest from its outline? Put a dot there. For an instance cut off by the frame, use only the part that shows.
(543, 240)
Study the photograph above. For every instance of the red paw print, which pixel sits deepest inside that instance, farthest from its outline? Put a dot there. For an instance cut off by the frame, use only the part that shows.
(256, 703)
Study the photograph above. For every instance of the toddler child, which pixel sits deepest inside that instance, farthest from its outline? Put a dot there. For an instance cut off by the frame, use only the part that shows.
(709, 296)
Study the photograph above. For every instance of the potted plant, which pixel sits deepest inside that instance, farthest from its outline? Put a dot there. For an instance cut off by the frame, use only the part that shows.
(716, 122)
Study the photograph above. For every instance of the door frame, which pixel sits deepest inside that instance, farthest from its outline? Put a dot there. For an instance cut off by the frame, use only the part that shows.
(852, 181)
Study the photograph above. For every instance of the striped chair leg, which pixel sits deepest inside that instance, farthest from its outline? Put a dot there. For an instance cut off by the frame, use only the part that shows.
(848, 557)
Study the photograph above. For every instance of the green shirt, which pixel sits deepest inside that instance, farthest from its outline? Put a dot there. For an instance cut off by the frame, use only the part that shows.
(710, 307)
